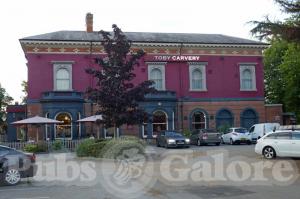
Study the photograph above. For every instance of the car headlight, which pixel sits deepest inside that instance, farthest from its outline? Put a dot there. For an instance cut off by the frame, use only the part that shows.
(171, 141)
(187, 140)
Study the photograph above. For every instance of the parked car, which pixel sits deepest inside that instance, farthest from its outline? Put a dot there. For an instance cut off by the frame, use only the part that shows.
(15, 165)
(236, 135)
(172, 139)
(205, 136)
(280, 143)
(259, 130)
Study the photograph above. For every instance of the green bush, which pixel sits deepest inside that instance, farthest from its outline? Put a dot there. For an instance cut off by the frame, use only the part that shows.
(187, 133)
(57, 145)
(35, 148)
(129, 148)
(83, 150)
(110, 148)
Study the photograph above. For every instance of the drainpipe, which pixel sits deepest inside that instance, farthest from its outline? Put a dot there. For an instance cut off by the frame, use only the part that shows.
(181, 95)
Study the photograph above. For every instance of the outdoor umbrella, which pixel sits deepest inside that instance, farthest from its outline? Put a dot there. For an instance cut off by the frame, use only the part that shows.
(93, 118)
(36, 121)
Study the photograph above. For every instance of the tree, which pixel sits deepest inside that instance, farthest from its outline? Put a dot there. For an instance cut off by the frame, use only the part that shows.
(24, 85)
(290, 67)
(274, 81)
(288, 30)
(117, 97)
(5, 100)
(282, 75)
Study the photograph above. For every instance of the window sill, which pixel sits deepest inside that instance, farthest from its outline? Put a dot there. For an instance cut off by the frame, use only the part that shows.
(198, 90)
(248, 90)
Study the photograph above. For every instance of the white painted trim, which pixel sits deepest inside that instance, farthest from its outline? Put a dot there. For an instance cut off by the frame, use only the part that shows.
(202, 68)
(253, 76)
(94, 43)
(160, 67)
(62, 65)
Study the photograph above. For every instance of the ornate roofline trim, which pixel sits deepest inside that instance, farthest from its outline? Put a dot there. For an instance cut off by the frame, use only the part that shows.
(154, 44)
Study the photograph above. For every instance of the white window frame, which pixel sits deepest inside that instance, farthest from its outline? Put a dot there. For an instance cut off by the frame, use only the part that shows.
(160, 66)
(201, 67)
(250, 67)
(62, 65)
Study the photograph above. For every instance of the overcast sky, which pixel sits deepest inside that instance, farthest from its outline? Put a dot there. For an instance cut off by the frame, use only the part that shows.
(32, 17)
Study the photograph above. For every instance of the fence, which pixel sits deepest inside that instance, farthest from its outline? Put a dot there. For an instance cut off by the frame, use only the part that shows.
(67, 144)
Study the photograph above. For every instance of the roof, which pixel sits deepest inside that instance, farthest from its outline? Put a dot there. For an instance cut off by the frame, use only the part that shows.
(148, 37)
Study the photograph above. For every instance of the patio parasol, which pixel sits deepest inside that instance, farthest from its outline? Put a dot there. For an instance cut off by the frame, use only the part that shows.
(95, 119)
(36, 121)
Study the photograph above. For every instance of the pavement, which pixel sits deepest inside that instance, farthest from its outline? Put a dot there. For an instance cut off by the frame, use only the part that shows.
(218, 172)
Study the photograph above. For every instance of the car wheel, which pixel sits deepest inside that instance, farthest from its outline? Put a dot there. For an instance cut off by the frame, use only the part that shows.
(222, 141)
(12, 177)
(249, 142)
(198, 142)
(231, 142)
(269, 153)
(218, 144)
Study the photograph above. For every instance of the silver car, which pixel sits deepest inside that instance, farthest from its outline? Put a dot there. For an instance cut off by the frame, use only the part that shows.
(236, 135)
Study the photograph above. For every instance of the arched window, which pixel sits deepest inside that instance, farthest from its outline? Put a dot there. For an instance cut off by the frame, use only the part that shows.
(156, 76)
(198, 120)
(247, 79)
(159, 122)
(248, 118)
(63, 130)
(197, 79)
(63, 79)
(224, 118)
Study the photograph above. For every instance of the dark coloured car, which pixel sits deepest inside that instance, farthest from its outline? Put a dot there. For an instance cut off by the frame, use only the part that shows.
(15, 165)
(172, 139)
(205, 136)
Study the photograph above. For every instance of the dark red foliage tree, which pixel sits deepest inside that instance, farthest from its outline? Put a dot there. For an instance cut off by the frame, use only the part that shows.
(115, 94)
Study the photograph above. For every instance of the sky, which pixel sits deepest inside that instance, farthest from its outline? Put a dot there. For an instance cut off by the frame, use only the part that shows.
(20, 19)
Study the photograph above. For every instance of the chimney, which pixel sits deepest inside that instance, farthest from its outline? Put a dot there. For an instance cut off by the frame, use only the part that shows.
(89, 22)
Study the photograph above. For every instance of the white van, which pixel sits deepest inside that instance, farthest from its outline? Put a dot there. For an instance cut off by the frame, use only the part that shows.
(259, 130)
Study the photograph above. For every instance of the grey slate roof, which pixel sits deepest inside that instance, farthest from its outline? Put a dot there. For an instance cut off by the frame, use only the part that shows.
(146, 37)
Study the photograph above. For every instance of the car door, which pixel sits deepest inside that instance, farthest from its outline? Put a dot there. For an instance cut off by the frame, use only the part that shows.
(296, 144)
(253, 133)
(283, 144)
(3, 153)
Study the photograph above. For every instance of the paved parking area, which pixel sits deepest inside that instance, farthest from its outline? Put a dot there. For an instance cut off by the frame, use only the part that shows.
(166, 173)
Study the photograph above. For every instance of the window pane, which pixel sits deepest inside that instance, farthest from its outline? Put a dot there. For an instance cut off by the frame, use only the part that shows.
(156, 76)
(247, 79)
(196, 79)
(62, 85)
(62, 74)
(63, 130)
(284, 136)
(296, 136)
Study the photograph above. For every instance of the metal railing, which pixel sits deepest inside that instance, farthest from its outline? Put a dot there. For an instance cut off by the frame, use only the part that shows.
(70, 145)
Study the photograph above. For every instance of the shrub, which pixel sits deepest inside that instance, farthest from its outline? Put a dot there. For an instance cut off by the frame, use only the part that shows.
(57, 145)
(83, 150)
(128, 148)
(110, 148)
(187, 133)
(35, 148)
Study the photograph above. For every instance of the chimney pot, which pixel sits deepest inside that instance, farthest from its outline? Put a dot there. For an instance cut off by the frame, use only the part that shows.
(89, 22)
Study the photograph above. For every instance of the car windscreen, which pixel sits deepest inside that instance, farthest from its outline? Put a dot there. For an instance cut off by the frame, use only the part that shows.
(241, 130)
(173, 134)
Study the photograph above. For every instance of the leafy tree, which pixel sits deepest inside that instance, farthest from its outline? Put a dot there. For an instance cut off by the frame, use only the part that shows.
(290, 67)
(24, 85)
(115, 94)
(282, 75)
(274, 81)
(5, 100)
(288, 30)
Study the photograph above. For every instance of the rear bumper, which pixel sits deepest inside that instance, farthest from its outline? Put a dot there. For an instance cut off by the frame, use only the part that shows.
(30, 172)
(210, 141)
